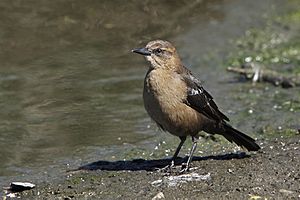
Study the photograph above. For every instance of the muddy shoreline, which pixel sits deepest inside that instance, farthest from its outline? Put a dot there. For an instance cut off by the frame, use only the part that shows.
(272, 173)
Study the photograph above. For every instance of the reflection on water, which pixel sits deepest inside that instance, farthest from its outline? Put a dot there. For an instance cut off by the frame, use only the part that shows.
(68, 80)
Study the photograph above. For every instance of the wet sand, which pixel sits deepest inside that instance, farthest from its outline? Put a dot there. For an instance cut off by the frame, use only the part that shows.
(272, 173)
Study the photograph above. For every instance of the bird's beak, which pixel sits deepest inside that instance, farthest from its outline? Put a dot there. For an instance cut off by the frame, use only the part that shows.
(142, 51)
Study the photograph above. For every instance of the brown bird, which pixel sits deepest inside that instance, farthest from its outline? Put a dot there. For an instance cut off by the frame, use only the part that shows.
(178, 103)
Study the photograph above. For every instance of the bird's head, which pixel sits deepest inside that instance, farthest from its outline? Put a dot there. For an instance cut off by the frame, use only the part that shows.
(161, 54)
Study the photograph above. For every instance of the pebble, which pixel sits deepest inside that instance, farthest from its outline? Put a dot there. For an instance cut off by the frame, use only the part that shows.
(286, 191)
(159, 195)
(20, 186)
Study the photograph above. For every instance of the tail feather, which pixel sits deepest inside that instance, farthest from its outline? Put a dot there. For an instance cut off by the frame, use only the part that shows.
(240, 138)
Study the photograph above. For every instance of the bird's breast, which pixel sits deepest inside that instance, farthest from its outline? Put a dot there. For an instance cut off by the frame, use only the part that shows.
(164, 96)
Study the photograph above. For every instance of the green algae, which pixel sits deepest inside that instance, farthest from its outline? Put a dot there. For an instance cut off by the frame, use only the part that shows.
(276, 47)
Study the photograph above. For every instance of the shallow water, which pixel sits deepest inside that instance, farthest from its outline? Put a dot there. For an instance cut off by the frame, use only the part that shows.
(70, 90)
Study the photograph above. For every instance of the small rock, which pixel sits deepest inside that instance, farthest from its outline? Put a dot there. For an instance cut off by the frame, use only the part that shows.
(11, 195)
(286, 191)
(159, 195)
(184, 178)
(157, 182)
(174, 180)
(254, 197)
(20, 186)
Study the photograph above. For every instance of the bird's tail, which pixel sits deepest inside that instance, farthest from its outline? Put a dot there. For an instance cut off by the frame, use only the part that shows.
(241, 139)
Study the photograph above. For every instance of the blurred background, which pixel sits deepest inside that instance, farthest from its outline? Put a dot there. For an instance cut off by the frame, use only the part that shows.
(71, 90)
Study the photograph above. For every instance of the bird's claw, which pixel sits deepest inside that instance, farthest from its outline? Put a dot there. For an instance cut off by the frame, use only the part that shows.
(184, 168)
(168, 168)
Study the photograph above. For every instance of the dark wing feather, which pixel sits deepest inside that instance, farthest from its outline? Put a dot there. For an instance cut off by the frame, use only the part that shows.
(199, 99)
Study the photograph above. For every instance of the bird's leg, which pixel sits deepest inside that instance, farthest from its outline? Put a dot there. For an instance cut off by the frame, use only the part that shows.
(168, 167)
(187, 165)
(182, 140)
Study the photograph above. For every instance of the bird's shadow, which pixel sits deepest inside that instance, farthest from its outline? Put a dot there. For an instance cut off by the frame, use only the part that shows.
(151, 165)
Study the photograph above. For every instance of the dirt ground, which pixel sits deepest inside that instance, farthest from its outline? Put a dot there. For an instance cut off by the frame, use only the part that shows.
(272, 173)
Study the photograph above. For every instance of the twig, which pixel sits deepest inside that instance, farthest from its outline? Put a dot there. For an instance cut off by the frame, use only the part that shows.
(257, 74)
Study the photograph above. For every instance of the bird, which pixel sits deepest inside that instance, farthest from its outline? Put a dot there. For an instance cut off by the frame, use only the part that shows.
(178, 103)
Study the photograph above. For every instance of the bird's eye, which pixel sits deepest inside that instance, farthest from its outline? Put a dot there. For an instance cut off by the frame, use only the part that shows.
(158, 51)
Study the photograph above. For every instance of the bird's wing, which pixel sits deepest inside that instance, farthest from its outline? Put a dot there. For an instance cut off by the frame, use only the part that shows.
(199, 99)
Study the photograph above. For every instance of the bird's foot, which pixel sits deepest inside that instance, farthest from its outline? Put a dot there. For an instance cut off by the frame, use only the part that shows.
(168, 168)
(184, 168)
